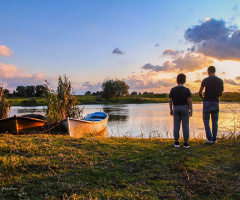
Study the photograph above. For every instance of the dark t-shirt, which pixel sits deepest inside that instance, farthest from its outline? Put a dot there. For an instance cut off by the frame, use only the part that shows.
(179, 94)
(213, 87)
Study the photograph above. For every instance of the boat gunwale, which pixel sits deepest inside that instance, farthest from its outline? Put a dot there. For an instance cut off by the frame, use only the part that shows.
(21, 117)
(86, 121)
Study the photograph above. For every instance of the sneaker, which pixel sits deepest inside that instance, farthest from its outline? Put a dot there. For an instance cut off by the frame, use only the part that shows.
(186, 145)
(214, 142)
(176, 144)
(209, 142)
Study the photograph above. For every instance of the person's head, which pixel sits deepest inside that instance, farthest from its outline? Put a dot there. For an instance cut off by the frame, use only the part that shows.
(181, 78)
(211, 70)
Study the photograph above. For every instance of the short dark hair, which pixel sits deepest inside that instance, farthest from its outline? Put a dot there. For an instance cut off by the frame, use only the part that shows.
(212, 69)
(181, 78)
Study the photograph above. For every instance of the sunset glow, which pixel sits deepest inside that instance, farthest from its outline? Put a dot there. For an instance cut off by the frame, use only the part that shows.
(144, 43)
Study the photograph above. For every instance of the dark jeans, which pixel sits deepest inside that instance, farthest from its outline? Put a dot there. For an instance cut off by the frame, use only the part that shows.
(181, 113)
(211, 108)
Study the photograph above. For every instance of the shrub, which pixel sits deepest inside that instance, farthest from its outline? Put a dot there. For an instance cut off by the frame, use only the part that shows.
(30, 102)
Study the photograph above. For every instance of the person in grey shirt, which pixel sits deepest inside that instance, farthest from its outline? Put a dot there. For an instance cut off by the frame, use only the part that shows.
(180, 103)
(213, 90)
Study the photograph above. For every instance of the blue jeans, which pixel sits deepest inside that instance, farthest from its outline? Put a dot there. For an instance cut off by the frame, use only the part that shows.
(211, 108)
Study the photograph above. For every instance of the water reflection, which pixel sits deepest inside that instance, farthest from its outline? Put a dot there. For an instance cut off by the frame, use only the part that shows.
(117, 113)
(151, 120)
(19, 110)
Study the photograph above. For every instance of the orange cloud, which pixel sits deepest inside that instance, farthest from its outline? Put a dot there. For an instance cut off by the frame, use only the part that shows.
(5, 51)
(182, 63)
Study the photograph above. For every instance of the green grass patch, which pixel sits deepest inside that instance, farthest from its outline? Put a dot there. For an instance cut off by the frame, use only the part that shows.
(28, 101)
(60, 167)
(131, 99)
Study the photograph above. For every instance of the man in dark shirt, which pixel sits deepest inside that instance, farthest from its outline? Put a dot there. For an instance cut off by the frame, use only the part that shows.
(213, 89)
(180, 104)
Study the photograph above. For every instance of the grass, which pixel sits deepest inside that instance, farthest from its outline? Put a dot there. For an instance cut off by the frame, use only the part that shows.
(132, 99)
(60, 167)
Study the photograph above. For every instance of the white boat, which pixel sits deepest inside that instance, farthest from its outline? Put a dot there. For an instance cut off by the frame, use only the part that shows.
(93, 124)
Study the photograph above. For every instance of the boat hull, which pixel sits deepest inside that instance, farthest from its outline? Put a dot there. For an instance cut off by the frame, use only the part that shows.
(80, 128)
(17, 123)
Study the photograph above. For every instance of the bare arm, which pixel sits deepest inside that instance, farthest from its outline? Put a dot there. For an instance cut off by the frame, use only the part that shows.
(171, 106)
(200, 92)
(189, 100)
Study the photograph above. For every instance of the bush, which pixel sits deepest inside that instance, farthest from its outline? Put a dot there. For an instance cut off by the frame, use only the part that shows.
(30, 102)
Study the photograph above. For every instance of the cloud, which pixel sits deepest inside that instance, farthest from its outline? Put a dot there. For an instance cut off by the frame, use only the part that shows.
(13, 77)
(192, 49)
(198, 81)
(9, 70)
(237, 78)
(87, 86)
(236, 8)
(184, 63)
(155, 68)
(145, 81)
(5, 51)
(229, 81)
(214, 39)
(172, 53)
(117, 51)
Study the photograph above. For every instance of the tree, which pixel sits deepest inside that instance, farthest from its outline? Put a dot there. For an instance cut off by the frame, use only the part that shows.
(21, 91)
(134, 93)
(97, 93)
(6, 92)
(114, 88)
(41, 90)
(88, 93)
(31, 91)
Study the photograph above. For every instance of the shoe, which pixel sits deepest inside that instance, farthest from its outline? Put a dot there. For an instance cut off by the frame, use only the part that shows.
(214, 142)
(186, 145)
(176, 144)
(209, 142)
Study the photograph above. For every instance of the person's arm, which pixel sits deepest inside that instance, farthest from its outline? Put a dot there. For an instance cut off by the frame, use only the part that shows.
(189, 100)
(200, 92)
(221, 91)
(171, 106)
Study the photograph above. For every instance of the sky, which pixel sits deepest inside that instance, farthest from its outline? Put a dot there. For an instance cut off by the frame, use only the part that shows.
(145, 43)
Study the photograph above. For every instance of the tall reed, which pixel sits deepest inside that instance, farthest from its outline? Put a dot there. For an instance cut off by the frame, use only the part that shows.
(63, 102)
(4, 105)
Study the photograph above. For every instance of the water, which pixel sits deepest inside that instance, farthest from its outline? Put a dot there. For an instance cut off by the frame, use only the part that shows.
(150, 120)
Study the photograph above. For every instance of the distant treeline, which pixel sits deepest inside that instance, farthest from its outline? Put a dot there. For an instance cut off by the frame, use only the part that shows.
(27, 91)
(42, 91)
(146, 94)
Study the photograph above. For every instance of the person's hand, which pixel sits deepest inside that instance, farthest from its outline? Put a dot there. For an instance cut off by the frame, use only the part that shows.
(190, 113)
(171, 112)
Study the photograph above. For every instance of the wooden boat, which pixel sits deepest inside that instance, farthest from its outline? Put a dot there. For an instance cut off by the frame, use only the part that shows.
(16, 123)
(92, 124)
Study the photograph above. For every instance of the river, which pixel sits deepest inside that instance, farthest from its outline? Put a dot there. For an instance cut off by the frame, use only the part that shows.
(151, 120)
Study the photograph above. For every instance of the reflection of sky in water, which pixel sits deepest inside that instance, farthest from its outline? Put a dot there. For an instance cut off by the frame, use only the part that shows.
(143, 120)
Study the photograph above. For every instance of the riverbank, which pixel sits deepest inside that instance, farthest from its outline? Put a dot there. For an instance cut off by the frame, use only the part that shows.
(60, 167)
(131, 99)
